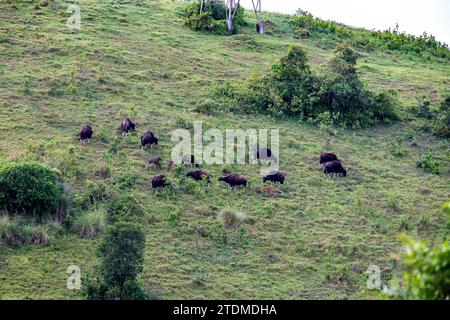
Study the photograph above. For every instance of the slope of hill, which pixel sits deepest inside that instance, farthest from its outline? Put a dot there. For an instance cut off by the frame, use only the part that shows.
(137, 59)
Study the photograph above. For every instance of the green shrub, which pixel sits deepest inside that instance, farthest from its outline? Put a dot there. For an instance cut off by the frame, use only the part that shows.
(124, 207)
(346, 97)
(92, 194)
(441, 124)
(212, 18)
(428, 275)
(292, 89)
(30, 188)
(332, 32)
(121, 253)
(17, 231)
(90, 224)
(429, 163)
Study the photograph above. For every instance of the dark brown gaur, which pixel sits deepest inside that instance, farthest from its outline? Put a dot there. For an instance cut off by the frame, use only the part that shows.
(198, 175)
(275, 177)
(126, 126)
(159, 182)
(86, 133)
(234, 180)
(149, 138)
(334, 167)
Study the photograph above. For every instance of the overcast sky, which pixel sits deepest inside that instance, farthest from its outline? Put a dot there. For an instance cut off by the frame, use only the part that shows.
(413, 16)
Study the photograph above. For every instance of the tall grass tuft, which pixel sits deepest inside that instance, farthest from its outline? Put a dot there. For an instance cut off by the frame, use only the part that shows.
(232, 219)
(17, 231)
(90, 224)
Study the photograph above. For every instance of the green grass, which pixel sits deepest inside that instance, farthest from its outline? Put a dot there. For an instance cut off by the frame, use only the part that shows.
(313, 241)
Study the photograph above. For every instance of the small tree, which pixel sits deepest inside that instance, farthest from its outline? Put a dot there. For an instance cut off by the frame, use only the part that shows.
(121, 253)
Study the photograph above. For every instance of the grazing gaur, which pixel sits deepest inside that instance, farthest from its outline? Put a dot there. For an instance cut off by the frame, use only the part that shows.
(334, 167)
(127, 125)
(149, 138)
(327, 157)
(86, 133)
(198, 175)
(170, 165)
(155, 161)
(159, 182)
(190, 160)
(275, 177)
(234, 179)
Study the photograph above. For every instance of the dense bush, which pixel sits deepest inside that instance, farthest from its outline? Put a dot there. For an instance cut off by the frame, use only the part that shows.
(292, 88)
(309, 26)
(429, 163)
(124, 207)
(17, 231)
(121, 253)
(345, 96)
(212, 18)
(30, 188)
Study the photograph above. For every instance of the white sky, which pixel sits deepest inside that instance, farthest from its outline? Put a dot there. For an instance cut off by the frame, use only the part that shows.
(413, 16)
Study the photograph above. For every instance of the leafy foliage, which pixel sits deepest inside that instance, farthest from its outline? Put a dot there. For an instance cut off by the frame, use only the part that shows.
(429, 163)
(212, 18)
(29, 188)
(332, 32)
(122, 256)
(124, 207)
(292, 88)
(428, 276)
(441, 123)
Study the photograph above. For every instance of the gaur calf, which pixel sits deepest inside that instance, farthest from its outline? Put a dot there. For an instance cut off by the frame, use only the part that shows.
(275, 177)
(127, 125)
(86, 133)
(155, 161)
(234, 180)
(334, 167)
(149, 138)
(159, 182)
(170, 165)
(198, 175)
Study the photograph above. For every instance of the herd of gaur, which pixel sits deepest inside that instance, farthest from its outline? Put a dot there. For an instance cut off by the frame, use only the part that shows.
(329, 161)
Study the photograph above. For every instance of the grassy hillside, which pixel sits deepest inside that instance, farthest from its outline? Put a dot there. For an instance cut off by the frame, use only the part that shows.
(137, 59)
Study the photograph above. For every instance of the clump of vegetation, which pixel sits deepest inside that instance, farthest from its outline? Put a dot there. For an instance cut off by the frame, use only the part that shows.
(428, 275)
(124, 208)
(121, 253)
(90, 224)
(211, 17)
(232, 219)
(441, 122)
(93, 194)
(30, 188)
(292, 88)
(429, 163)
(17, 231)
(332, 32)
